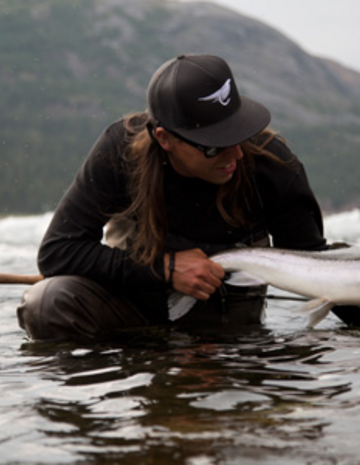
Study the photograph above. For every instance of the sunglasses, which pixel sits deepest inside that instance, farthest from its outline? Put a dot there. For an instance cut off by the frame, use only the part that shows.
(209, 152)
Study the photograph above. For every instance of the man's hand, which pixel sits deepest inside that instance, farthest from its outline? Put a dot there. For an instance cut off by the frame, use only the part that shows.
(194, 274)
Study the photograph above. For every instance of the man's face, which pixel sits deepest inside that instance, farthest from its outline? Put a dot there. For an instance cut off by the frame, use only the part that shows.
(191, 162)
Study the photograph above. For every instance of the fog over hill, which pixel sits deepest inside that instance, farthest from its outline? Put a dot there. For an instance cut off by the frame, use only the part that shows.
(69, 68)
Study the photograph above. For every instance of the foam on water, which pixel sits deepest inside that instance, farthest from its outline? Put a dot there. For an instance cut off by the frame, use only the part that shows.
(343, 227)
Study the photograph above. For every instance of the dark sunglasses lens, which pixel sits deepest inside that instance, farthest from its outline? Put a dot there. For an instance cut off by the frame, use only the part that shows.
(211, 152)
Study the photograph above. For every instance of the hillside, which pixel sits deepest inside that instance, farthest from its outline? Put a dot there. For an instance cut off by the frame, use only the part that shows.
(70, 67)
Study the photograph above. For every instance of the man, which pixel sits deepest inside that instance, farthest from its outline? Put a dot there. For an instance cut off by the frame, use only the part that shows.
(197, 173)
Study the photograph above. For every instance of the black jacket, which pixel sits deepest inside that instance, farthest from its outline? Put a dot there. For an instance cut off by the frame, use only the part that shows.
(73, 242)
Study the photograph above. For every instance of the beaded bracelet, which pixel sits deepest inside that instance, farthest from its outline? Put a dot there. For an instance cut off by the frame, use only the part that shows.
(171, 266)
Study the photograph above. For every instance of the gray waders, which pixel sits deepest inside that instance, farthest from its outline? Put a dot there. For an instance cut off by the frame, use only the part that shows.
(74, 308)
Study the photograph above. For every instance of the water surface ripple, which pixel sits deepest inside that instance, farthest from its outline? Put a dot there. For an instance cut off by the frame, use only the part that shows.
(279, 394)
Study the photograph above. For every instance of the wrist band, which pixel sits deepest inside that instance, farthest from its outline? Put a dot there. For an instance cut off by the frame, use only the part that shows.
(171, 266)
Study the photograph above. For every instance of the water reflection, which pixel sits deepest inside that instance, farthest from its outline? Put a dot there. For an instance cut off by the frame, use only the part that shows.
(181, 397)
(274, 395)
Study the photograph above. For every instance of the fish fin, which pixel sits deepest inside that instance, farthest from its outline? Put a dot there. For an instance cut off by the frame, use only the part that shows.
(179, 305)
(241, 278)
(317, 310)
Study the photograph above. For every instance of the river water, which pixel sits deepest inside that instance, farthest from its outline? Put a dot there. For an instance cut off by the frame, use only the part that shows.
(281, 394)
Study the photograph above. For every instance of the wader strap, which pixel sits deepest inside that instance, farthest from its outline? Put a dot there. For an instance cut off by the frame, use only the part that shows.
(224, 309)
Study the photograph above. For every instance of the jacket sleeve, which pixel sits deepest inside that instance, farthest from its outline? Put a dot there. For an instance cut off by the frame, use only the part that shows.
(73, 242)
(291, 210)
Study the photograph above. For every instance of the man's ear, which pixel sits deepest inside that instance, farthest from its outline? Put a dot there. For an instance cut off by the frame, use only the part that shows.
(164, 138)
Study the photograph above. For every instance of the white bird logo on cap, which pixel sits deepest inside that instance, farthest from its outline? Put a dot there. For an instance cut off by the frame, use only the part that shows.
(221, 95)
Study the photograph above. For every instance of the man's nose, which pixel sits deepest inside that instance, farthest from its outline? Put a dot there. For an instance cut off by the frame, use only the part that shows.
(235, 150)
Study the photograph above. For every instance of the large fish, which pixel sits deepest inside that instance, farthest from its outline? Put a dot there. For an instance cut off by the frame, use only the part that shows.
(327, 278)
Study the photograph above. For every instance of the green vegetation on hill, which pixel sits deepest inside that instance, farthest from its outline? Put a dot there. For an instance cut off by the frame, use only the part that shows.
(70, 67)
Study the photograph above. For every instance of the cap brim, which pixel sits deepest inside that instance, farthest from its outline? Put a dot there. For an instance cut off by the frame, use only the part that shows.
(251, 118)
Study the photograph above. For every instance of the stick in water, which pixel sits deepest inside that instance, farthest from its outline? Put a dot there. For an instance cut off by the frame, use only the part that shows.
(20, 278)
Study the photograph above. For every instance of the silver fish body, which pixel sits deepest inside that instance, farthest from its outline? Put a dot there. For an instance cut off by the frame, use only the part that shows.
(328, 278)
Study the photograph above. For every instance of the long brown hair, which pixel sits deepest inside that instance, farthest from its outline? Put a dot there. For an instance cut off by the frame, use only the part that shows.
(147, 194)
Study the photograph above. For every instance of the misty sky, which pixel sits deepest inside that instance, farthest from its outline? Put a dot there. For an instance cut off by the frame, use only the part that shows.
(326, 28)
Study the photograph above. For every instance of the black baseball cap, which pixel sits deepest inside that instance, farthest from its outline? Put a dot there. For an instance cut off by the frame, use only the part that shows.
(196, 97)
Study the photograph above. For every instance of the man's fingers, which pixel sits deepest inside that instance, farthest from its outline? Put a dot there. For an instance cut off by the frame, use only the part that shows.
(202, 289)
(212, 281)
(217, 270)
(201, 294)
(208, 288)
(195, 274)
